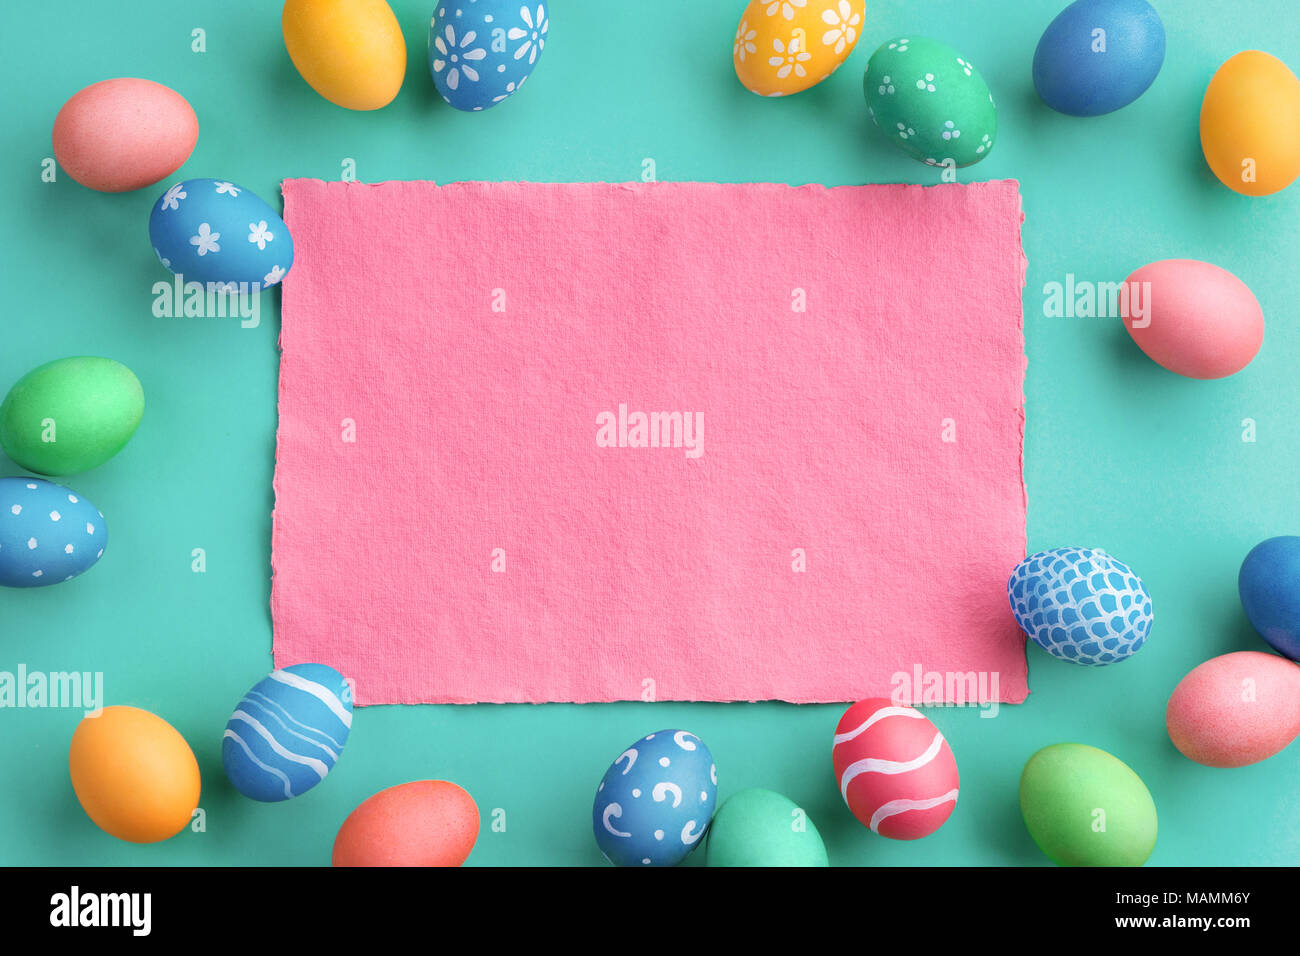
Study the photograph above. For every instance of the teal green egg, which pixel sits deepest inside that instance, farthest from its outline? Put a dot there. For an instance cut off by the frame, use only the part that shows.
(931, 102)
(763, 828)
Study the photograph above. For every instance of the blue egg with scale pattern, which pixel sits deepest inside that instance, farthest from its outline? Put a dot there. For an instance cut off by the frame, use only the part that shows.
(1081, 605)
(287, 732)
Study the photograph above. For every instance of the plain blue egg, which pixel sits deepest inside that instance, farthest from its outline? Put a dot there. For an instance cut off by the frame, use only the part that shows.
(211, 230)
(656, 800)
(482, 51)
(1269, 585)
(48, 533)
(1098, 56)
(287, 732)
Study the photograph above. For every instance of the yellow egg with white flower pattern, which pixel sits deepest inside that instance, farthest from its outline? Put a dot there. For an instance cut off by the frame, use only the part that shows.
(786, 46)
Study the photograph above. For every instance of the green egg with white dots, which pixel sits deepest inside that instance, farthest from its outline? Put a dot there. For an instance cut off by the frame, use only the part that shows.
(930, 102)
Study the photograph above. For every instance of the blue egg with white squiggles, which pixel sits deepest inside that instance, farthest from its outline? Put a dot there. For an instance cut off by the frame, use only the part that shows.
(1081, 605)
(1098, 56)
(482, 51)
(213, 231)
(656, 800)
(48, 533)
(287, 732)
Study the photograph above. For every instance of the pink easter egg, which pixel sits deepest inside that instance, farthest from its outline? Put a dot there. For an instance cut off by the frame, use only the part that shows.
(1236, 709)
(894, 768)
(1197, 320)
(123, 134)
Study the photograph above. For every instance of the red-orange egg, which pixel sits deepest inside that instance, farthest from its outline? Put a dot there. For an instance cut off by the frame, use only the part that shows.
(425, 823)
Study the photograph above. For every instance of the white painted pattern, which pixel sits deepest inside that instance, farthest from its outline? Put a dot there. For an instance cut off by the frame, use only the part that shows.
(878, 716)
(321, 693)
(902, 805)
(311, 763)
(877, 765)
(288, 791)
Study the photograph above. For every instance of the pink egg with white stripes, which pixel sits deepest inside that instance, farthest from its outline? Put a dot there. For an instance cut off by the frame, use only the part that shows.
(894, 768)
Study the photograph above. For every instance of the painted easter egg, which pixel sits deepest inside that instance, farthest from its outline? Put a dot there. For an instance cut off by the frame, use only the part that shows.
(48, 533)
(1235, 709)
(123, 134)
(287, 732)
(1269, 585)
(786, 46)
(1084, 807)
(70, 415)
(1200, 321)
(349, 51)
(894, 768)
(482, 51)
(930, 102)
(424, 823)
(1098, 56)
(655, 801)
(1081, 605)
(762, 828)
(210, 230)
(1250, 124)
(134, 774)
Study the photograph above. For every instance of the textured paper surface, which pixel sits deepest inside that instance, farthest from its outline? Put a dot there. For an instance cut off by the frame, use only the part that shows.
(825, 539)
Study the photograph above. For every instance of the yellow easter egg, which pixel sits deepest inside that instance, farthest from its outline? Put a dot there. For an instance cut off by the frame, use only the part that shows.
(349, 51)
(1250, 124)
(786, 46)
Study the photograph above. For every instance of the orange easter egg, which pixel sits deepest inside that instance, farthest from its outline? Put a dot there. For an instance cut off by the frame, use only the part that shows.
(134, 774)
(349, 51)
(1250, 124)
(786, 46)
(425, 823)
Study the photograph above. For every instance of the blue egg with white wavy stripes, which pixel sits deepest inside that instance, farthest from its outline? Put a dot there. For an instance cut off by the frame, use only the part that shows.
(656, 800)
(48, 533)
(1081, 605)
(482, 51)
(287, 732)
(211, 230)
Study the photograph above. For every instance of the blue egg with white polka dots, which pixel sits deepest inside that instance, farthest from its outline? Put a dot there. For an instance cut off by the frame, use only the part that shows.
(48, 533)
(656, 800)
(482, 51)
(214, 231)
(1081, 605)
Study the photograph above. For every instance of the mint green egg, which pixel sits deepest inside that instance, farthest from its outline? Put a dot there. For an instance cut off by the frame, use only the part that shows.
(763, 828)
(930, 102)
(1084, 807)
(70, 415)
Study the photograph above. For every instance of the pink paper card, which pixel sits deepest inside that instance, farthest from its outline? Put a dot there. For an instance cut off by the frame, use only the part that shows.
(674, 441)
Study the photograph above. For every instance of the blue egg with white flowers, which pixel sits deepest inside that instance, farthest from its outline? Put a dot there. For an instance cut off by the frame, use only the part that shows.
(1081, 605)
(1098, 56)
(656, 800)
(482, 51)
(287, 732)
(1269, 585)
(214, 231)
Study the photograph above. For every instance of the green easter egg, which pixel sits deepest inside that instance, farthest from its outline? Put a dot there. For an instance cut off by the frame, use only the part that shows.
(1084, 807)
(70, 415)
(930, 102)
(762, 828)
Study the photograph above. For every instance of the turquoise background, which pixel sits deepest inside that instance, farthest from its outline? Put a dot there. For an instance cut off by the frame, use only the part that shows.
(1119, 454)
